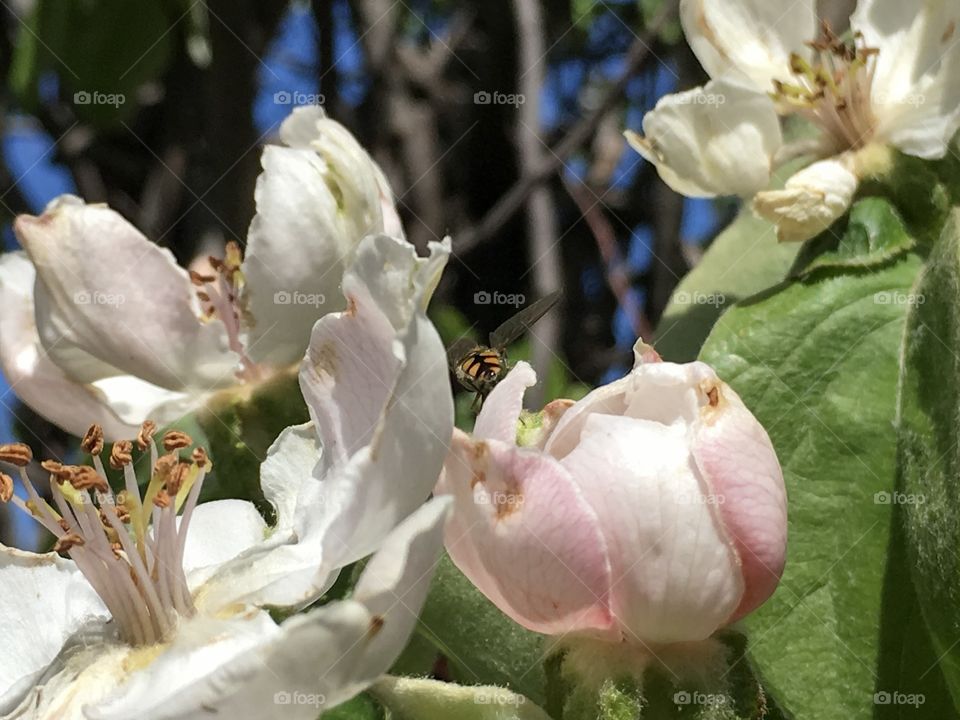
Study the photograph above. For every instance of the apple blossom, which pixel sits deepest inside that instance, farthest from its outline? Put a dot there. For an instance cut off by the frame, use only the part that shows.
(99, 323)
(160, 609)
(892, 84)
(650, 512)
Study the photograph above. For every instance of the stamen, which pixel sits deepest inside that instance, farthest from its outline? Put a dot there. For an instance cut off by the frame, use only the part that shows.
(135, 565)
(833, 91)
(220, 298)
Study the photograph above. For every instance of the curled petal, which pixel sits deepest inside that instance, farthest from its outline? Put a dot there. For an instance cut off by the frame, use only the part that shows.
(99, 285)
(523, 534)
(675, 575)
(498, 417)
(118, 404)
(719, 139)
(737, 460)
(810, 202)
(316, 200)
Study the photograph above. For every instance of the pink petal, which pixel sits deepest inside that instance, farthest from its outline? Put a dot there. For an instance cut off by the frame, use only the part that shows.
(736, 458)
(523, 534)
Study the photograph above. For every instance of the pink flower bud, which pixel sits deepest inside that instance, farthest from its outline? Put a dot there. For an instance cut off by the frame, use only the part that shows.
(653, 510)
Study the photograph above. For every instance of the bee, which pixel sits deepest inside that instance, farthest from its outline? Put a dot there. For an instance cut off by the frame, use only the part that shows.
(479, 368)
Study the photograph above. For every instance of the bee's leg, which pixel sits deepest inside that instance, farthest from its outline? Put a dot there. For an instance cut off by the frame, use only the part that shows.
(477, 402)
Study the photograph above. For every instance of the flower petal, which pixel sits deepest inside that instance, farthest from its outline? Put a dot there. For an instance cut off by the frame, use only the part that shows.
(916, 83)
(498, 417)
(219, 531)
(181, 681)
(719, 139)
(289, 464)
(518, 515)
(376, 383)
(35, 379)
(810, 202)
(736, 458)
(45, 600)
(315, 201)
(749, 38)
(676, 577)
(98, 282)
(381, 401)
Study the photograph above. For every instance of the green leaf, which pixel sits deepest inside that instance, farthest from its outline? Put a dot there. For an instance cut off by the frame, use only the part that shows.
(816, 360)
(419, 699)
(743, 260)
(483, 646)
(874, 234)
(362, 707)
(929, 458)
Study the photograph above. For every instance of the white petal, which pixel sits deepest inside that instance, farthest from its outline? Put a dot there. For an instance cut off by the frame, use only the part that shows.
(498, 417)
(376, 382)
(135, 400)
(219, 531)
(109, 302)
(89, 668)
(315, 202)
(44, 600)
(811, 200)
(32, 375)
(289, 464)
(749, 38)
(916, 84)
(716, 140)
(382, 406)
(312, 662)
(181, 680)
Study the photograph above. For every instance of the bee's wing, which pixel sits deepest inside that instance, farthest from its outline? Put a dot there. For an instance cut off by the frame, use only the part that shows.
(523, 320)
(459, 350)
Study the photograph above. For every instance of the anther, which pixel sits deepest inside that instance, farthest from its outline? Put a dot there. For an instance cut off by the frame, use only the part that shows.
(121, 454)
(6, 488)
(67, 542)
(146, 433)
(16, 454)
(199, 456)
(84, 477)
(174, 440)
(201, 280)
(162, 499)
(92, 442)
